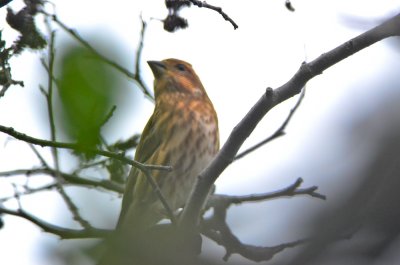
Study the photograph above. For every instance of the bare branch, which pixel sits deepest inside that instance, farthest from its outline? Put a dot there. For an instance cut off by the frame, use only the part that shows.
(29, 190)
(160, 195)
(108, 116)
(72, 179)
(86, 44)
(137, 75)
(29, 139)
(215, 8)
(255, 253)
(144, 168)
(277, 133)
(290, 191)
(218, 230)
(62, 232)
(49, 99)
(38, 155)
(270, 99)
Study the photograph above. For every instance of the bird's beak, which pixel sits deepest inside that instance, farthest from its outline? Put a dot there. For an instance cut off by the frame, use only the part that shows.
(157, 67)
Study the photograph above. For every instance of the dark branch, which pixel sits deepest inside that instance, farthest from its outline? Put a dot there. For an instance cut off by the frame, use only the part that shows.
(270, 99)
(86, 44)
(137, 75)
(29, 139)
(156, 188)
(218, 230)
(255, 253)
(215, 8)
(277, 133)
(62, 232)
(108, 116)
(290, 191)
(38, 155)
(68, 178)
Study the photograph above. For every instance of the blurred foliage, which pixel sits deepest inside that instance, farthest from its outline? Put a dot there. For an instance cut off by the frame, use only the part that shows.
(87, 95)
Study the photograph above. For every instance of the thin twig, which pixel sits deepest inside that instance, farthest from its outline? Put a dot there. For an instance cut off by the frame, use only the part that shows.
(290, 191)
(160, 196)
(73, 146)
(143, 167)
(29, 191)
(279, 132)
(90, 165)
(71, 179)
(110, 62)
(137, 74)
(215, 8)
(217, 229)
(108, 116)
(54, 151)
(72, 207)
(38, 155)
(62, 232)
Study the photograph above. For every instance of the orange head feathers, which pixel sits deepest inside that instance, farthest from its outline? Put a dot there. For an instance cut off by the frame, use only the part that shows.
(173, 75)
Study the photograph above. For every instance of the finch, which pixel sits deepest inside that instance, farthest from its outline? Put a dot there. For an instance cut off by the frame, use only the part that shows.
(182, 132)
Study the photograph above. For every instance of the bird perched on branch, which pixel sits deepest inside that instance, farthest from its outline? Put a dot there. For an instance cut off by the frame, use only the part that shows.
(182, 133)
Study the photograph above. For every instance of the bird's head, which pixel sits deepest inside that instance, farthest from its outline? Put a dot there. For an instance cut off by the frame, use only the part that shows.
(176, 76)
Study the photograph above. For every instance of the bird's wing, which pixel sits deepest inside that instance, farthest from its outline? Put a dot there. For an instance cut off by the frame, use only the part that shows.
(149, 143)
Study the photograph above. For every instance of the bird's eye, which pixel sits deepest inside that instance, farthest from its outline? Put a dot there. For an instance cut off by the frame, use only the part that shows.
(180, 67)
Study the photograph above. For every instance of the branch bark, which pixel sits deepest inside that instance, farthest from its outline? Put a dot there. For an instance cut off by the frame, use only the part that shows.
(73, 146)
(62, 232)
(271, 98)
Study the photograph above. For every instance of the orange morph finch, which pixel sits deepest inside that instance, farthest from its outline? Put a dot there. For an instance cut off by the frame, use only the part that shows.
(182, 133)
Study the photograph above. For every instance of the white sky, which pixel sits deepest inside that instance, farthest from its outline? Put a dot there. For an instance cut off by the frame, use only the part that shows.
(235, 67)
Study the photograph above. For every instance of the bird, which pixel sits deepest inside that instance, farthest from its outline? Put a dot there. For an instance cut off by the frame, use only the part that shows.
(182, 133)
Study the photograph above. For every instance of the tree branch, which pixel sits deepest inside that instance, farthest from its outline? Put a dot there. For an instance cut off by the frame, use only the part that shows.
(137, 76)
(29, 139)
(268, 100)
(290, 191)
(215, 8)
(278, 133)
(73, 179)
(218, 230)
(76, 36)
(255, 253)
(62, 232)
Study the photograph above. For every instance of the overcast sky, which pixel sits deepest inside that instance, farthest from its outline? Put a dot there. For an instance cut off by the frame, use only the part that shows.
(235, 67)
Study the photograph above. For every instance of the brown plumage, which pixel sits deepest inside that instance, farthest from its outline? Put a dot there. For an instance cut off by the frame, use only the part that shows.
(182, 133)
